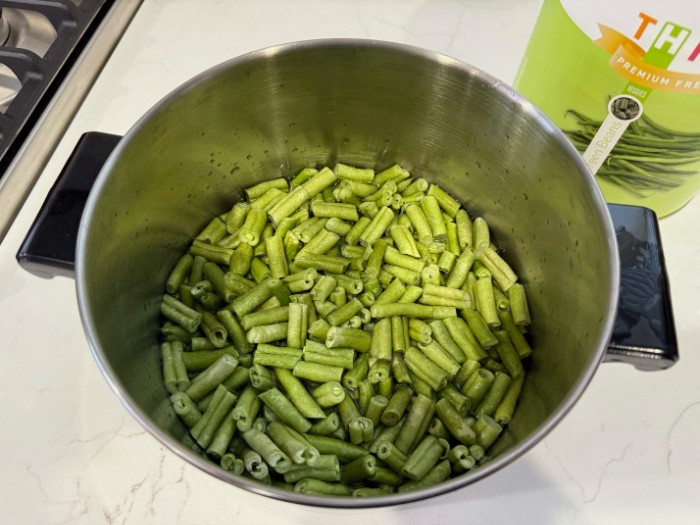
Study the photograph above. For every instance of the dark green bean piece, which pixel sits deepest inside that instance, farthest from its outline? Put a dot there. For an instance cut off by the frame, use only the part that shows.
(284, 409)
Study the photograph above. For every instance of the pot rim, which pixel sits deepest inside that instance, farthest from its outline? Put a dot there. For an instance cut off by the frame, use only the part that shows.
(347, 502)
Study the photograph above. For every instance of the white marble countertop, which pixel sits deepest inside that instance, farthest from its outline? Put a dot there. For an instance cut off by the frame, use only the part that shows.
(70, 453)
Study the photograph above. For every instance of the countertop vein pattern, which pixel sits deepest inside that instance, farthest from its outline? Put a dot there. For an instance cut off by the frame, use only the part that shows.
(627, 453)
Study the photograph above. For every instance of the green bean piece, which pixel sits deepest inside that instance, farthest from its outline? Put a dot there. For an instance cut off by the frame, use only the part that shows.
(214, 399)
(322, 474)
(297, 448)
(376, 228)
(277, 356)
(278, 259)
(516, 337)
(352, 378)
(247, 408)
(284, 409)
(518, 305)
(487, 430)
(185, 408)
(358, 469)
(486, 303)
(351, 285)
(241, 259)
(505, 409)
(478, 326)
(179, 273)
(237, 379)
(421, 409)
(319, 329)
(404, 241)
(357, 230)
(255, 465)
(461, 334)
(269, 451)
(375, 408)
(180, 314)
(318, 487)
(392, 456)
(381, 347)
(420, 223)
(173, 332)
(392, 256)
(379, 370)
(345, 312)
(255, 297)
(328, 263)
(442, 336)
(316, 352)
(343, 171)
(399, 370)
(454, 422)
(210, 378)
(343, 450)
(260, 272)
(478, 385)
(214, 329)
(323, 288)
(438, 429)
(440, 357)
(446, 201)
(391, 293)
(230, 463)
(360, 429)
(424, 368)
(396, 405)
(261, 378)
(340, 337)
(339, 227)
(317, 372)
(326, 426)
(411, 294)
(507, 354)
(493, 397)
(297, 325)
(267, 333)
(217, 412)
(263, 317)
(480, 233)
(463, 465)
(211, 252)
(424, 457)
(501, 271)
(252, 228)
(459, 401)
(198, 360)
(237, 284)
(299, 395)
(386, 387)
(258, 190)
(407, 276)
(168, 367)
(328, 394)
(419, 330)
(460, 270)
(236, 216)
(379, 311)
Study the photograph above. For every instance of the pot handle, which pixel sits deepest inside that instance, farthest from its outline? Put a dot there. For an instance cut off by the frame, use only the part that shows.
(644, 333)
(49, 247)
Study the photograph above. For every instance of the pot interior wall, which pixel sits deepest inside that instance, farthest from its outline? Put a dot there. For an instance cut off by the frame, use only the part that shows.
(369, 105)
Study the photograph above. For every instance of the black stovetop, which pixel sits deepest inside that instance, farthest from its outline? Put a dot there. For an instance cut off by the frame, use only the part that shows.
(39, 41)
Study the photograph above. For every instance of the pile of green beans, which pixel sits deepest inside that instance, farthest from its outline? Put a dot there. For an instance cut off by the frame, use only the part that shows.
(648, 158)
(344, 333)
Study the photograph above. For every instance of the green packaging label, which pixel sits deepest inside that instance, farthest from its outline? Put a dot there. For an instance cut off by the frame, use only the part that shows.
(622, 79)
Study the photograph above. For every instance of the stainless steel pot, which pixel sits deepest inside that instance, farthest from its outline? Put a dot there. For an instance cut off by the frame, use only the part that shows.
(272, 112)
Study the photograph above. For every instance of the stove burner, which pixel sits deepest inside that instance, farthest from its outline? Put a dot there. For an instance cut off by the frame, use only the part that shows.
(4, 29)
